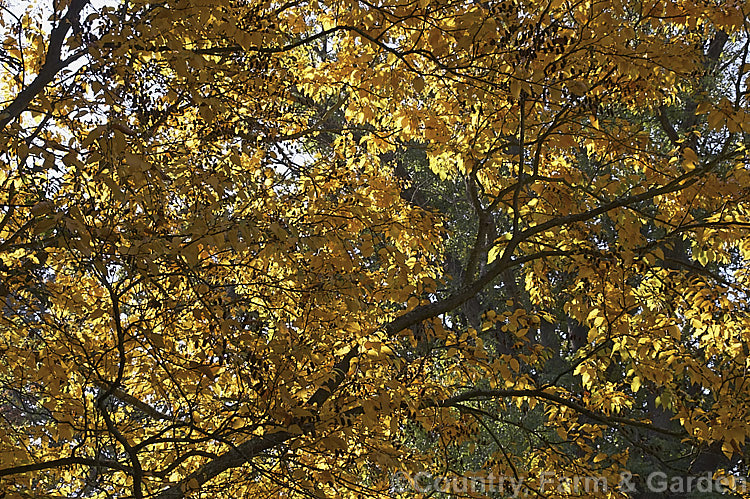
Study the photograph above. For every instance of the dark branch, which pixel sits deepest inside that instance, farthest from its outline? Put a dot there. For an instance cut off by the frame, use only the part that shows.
(53, 64)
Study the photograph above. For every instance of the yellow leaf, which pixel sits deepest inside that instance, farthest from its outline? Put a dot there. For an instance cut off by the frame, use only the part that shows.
(726, 448)
(493, 254)
(691, 158)
(635, 384)
(514, 365)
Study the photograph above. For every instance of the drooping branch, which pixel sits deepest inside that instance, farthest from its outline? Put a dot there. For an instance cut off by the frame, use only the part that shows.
(472, 395)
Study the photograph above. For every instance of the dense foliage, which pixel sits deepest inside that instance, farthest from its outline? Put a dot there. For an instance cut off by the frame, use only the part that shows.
(267, 249)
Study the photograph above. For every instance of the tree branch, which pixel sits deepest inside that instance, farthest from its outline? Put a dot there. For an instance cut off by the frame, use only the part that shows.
(52, 64)
(472, 395)
(65, 461)
(243, 453)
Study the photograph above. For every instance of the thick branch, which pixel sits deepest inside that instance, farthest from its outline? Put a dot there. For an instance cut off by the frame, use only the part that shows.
(52, 64)
(65, 461)
(243, 453)
(131, 400)
(434, 309)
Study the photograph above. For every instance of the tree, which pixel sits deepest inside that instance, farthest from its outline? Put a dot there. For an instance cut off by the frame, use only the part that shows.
(233, 259)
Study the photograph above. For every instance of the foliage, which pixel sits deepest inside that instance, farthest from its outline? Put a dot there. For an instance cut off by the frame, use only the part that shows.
(289, 249)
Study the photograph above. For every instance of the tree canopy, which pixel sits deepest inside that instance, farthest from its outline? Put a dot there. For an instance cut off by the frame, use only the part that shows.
(294, 249)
